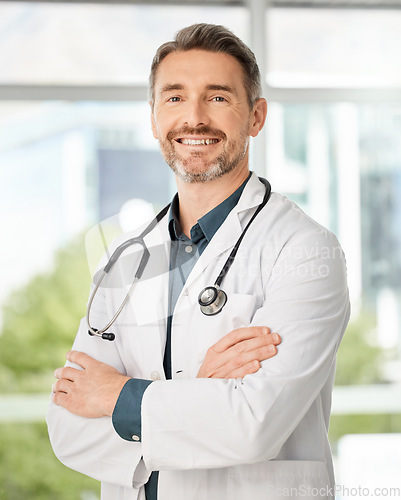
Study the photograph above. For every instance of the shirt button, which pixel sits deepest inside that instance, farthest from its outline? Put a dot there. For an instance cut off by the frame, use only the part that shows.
(155, 376)
(188, 249)
(135, 438)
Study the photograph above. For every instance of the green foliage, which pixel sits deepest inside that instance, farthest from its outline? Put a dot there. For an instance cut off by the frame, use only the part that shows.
(39, 325)
(358, 362)
(359, 359)
(40, 322)
(30, 471)
(341, 425)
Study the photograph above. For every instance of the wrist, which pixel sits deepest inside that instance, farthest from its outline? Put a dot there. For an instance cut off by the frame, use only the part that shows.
(119, 384)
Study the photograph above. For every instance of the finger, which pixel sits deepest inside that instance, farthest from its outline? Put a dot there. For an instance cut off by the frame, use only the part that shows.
(261, 353)
(247, 369)
(62, 386)
(276, 338)
(254, 343)
(238, 335)
(79, 358)
(60, 398)
(67, 373)
(236, 353)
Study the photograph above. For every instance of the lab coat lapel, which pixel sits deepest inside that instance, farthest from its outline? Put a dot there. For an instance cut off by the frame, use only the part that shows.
(162, 294)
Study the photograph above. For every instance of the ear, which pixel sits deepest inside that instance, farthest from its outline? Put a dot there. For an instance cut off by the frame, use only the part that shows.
(258, 117)
(153, 121)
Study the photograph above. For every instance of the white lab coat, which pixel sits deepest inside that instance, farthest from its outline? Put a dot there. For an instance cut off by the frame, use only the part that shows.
(263, 437)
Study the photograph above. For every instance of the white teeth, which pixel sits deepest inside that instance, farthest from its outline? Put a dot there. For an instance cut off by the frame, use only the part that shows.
(198, 142)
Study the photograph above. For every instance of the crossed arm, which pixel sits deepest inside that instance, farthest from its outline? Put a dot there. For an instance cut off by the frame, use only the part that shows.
(308, 304)
(93, 391)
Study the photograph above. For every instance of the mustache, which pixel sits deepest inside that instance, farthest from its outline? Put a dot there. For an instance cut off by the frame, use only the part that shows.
(203, 130)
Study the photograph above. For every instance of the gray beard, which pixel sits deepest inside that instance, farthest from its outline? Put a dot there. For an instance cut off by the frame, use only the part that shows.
(220, 166)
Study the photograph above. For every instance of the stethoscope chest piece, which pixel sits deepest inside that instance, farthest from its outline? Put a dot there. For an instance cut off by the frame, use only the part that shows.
(212, 300)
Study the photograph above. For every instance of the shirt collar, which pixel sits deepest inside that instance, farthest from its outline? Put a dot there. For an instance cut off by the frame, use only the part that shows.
(174, 225)
(208, 224)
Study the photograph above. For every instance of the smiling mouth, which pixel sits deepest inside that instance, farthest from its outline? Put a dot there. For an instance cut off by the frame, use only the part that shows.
(197, 142)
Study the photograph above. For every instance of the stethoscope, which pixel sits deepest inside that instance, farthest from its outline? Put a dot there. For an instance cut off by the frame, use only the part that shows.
(211, 299)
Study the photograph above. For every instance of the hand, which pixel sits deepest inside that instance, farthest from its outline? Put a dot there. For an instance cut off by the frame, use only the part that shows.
(91, 392)
(239, 353)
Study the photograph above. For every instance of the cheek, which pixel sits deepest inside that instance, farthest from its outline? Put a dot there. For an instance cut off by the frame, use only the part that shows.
(233, 122)
(162, 125)
(238, 134)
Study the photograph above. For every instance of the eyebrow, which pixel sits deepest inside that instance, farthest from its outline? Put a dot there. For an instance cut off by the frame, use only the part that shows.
(172, 86)
(179, 86)
(223, 88)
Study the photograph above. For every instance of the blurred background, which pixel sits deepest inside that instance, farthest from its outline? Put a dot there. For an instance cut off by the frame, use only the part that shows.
(76, 149)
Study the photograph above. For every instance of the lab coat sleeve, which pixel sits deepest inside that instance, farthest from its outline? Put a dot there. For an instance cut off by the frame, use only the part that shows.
(210, 423)
(92, 446)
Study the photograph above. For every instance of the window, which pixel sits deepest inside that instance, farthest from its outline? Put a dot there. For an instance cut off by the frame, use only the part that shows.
(334, 48)
(73, 43)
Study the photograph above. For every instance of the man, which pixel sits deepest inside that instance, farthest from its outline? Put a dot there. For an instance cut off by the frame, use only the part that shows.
(234, 419)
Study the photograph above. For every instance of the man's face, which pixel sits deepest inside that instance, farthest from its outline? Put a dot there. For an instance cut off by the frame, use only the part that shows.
(201, 114)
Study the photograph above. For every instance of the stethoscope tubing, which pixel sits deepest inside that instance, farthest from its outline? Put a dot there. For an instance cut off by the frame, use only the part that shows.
(94, 331)
(139, 240)
(234, 251)
(207, 306)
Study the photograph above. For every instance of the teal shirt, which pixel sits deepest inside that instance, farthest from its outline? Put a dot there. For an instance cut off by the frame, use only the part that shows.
(183, 256)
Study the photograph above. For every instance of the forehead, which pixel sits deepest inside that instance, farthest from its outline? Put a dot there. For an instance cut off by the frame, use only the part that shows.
(200, 69)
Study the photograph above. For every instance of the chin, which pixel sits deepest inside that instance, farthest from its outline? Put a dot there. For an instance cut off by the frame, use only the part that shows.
(192, 171)
(197, 175)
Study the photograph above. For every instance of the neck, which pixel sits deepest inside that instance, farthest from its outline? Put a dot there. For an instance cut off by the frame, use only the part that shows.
(197, 199)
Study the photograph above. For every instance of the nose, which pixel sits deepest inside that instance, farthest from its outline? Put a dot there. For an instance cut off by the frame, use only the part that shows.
(196, 113)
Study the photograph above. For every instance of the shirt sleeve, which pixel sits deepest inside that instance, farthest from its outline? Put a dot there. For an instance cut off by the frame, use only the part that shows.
(127, 412)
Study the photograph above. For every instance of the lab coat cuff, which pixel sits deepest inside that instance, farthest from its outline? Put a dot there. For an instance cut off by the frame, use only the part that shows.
(126, 416)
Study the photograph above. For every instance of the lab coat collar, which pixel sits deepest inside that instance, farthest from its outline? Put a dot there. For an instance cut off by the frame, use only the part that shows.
(232, 227)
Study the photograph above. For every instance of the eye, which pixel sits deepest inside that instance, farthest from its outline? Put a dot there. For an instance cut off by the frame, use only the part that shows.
(174, 99)
(219, 99)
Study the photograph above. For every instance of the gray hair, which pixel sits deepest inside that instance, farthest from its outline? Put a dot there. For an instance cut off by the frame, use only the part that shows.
(214, 38)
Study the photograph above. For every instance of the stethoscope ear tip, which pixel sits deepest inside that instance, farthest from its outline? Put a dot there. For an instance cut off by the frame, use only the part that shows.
(108, 336)
(104, 335)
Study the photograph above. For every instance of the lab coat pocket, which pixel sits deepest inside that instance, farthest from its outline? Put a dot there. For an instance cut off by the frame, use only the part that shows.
(279, 480)
(193, 328)
(237, 313)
